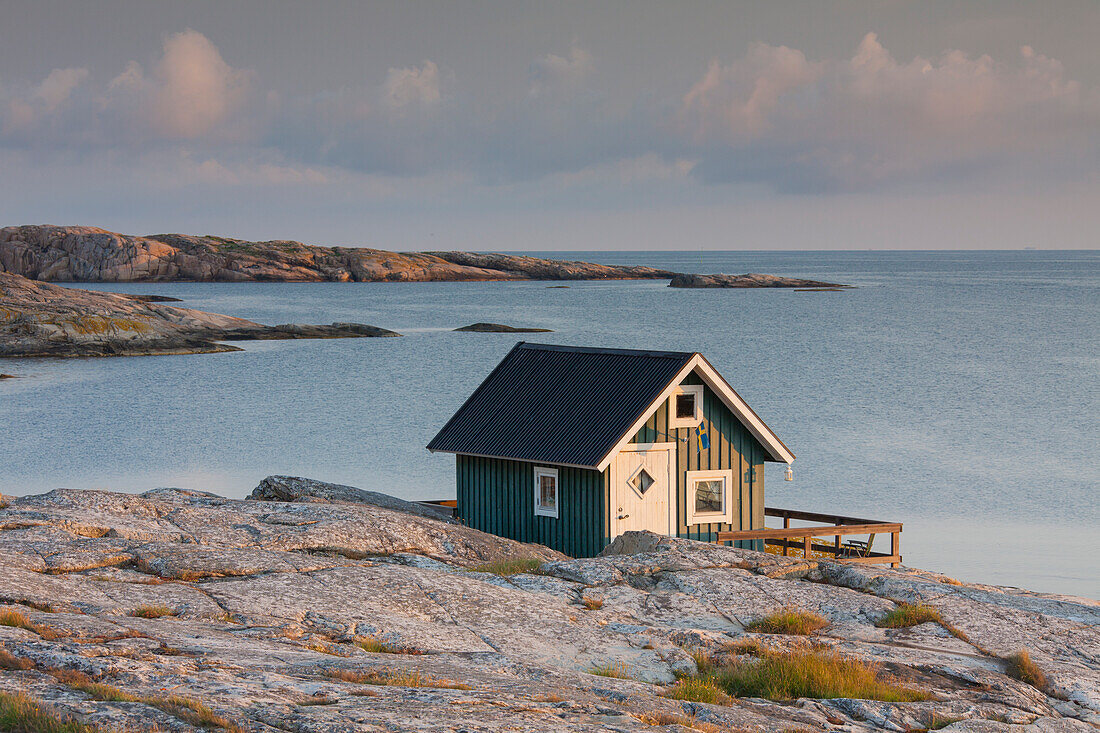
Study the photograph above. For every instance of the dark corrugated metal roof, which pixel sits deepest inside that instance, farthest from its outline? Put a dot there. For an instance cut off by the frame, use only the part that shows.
(558, 404)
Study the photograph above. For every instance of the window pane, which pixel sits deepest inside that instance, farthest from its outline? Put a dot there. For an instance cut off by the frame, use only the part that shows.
(548, 492)
(642, 481)
(708, 496)
(685, 405)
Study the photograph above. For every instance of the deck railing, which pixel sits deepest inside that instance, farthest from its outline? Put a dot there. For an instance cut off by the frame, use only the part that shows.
(835, 526)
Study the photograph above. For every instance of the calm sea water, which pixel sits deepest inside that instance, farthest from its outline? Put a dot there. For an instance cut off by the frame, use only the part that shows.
(955, 392)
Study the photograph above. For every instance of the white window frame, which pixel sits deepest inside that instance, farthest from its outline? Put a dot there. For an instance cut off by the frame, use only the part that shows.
(541, 511)
(723, 517)
(686, 422)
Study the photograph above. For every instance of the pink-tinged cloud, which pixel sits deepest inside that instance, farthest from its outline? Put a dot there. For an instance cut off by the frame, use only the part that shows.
(191, 92)
(871, 118)
(735, 102)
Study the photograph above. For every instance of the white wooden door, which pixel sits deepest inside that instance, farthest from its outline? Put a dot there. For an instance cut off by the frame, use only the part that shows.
(641, 489)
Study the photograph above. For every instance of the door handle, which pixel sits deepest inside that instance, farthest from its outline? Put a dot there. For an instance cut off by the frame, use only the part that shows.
(623, 516)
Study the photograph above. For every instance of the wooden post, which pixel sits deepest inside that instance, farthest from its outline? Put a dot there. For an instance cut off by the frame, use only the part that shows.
(786, 525)
(895, 547)
(806, 546)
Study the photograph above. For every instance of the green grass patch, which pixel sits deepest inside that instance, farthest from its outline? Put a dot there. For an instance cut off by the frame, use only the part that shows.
(905, 615)
(788, 621)
(791, 675)
(704, 689)
(1019, 666)
(153, 612)
(511, 566)
(21, 713)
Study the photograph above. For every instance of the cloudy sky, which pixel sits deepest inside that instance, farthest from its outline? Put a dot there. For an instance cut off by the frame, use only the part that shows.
(626, 124)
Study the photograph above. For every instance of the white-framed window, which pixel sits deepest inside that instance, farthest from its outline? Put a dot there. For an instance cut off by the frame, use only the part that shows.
(709, 497)
(546, 492)
(685, 406)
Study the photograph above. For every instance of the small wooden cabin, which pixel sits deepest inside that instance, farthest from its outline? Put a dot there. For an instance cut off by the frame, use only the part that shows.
(571, 447)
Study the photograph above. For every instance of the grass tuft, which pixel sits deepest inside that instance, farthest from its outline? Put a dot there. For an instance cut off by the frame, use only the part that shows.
(658, 718)
(21, 713)
(375, 645)
(905, 615)
(19, 620)
(184, 708)
(153, 612)
(512, 566)
(618, 670)
(592, 604)
(790, 675)
(1021, 667)
(13, 663)
(788, 621)
(751, 647)
(393, 678)
(704, 689)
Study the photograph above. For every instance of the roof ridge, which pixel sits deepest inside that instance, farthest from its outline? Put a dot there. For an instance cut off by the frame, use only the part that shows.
(604, 350)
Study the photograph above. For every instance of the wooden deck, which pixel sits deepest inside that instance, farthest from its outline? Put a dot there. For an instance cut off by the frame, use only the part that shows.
(832, 525)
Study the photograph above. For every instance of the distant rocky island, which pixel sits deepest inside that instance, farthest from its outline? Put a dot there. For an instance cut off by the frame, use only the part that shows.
(42, 319)
(89, 254)
(748, 280)
(315, 607)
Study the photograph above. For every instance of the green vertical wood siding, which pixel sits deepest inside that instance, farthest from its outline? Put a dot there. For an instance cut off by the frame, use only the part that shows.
(732, 447)
(498, 496)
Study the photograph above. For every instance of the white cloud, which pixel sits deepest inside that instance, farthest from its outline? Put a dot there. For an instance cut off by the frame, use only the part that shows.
(57, 87)
(735, 102)
(412, 86)
(24, 111)
(553, 72)
(193, 89)
(775, 116)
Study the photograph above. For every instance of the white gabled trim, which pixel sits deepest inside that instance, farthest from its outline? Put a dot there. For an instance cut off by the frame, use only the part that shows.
(771, 442)
(540, 511)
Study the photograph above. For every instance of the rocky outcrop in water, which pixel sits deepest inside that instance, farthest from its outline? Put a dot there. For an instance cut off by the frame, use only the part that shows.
(328, 614)
(41, 319)
(88, 254)
(499, 328)
(748, 280)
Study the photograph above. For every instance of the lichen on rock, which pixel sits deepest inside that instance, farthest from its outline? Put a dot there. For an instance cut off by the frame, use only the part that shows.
(313, 606)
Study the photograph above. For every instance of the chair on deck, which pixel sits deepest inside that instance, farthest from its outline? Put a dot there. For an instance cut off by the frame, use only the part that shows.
(858, 548)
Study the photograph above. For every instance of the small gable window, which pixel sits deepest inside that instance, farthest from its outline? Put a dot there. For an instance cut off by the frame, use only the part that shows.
(685, 406)
(709, 497)
(546, 492)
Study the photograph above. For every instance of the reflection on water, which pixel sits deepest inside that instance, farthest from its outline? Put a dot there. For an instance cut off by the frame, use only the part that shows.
(956, 392)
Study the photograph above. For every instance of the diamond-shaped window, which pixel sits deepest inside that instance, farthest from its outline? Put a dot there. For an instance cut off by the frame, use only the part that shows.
(642, 481)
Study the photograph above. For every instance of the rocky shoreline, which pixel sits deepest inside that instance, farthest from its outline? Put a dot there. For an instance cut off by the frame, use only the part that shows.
(313, 607)
(42, 319)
